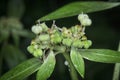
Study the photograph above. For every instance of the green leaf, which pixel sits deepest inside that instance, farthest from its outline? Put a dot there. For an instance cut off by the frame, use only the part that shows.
(23, 70)
(77, 61)
(76, 8)
(47, 67)
(13, 56)
(25, 33)
(101, 55)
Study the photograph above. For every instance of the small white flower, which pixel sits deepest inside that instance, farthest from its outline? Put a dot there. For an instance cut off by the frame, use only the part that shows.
(82, 16)
(36, 29)
(86, 22)
(84, 19)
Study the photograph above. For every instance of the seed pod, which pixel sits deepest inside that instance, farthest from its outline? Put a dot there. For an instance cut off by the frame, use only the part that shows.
(38, 53)
(72, 29)
(77, 43)
(67, 42)
(45, 45)
(56, 38)
(44, 27)
(44, 37)
(30, 49)
(66, 32)
(84, 38)
(78, 28)
(87, 44)
(61, 49)
(36, 29)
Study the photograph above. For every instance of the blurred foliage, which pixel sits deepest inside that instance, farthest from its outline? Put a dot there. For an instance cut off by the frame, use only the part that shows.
(104, 33)
(11, 30)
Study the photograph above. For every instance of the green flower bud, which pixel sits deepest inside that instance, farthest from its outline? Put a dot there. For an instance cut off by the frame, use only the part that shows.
(87, 44)
(44, 27)
(84, 38)
(30, 49)
(82, 33)
(45, 45)
(78, 28)
(67, 41)
(66, 32)
(44, 37)
(56, 38)
(38, 53)
(77, 43)
(36, 29)
(72, 29)
(60, 48)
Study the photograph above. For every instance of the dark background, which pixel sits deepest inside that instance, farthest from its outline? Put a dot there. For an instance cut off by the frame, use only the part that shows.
(104, 33)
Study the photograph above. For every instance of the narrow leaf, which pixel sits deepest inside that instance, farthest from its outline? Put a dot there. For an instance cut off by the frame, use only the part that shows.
(23, 70)
(25, 33)
(101, 55)
(47, 67)
(78, 61)
(76, 8)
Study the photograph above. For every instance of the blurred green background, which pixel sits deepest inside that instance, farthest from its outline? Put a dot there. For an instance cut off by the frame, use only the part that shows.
(17, 17)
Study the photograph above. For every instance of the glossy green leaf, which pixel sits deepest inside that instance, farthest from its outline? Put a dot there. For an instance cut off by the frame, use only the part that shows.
(76, 8)
(23, 70)
(101, 55)
(12, 55)
(77, 61)
(47, 67)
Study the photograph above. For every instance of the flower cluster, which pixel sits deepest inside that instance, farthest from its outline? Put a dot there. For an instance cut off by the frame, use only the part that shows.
(51, 38)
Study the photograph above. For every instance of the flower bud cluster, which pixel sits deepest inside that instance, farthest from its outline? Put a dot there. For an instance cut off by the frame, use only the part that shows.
(49, 38)
(84, 19)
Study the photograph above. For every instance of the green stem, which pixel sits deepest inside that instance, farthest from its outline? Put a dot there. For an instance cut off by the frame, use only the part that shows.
(1, 56)
(72, 69)
(116, 72)
(1, 59)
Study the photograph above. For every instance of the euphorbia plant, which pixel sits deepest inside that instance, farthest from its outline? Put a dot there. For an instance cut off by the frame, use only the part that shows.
(55, 40)
(70, 42)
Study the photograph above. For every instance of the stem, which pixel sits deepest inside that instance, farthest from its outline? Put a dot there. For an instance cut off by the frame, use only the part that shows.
(72, 69)
(116, 72)
(1, 59)
(1, 56)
